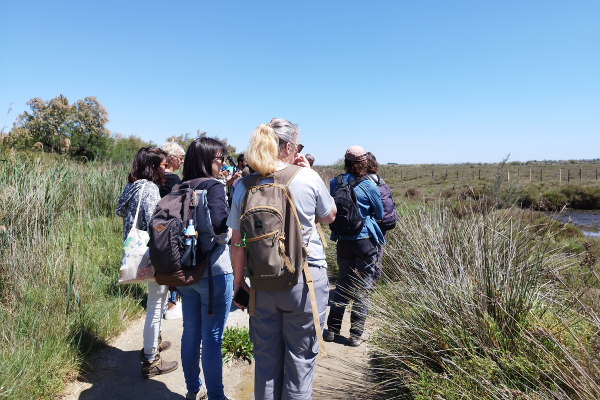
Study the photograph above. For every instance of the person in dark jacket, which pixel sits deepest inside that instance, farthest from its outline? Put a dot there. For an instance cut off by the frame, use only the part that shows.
(204, 159)
(147, 172)
(175, 155)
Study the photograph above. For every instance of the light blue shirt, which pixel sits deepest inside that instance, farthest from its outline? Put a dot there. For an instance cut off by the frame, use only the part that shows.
(367, 197)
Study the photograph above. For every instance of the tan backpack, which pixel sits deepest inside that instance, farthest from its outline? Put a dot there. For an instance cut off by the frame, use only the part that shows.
(272, 237)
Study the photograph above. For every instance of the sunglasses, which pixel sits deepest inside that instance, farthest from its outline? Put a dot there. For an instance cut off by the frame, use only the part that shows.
(220, 158)
(299, 147)
(164, 163)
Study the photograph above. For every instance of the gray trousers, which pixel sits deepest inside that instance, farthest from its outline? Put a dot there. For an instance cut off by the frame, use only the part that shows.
(285, 341)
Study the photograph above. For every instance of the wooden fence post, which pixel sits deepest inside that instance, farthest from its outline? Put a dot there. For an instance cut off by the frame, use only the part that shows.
(541, 176)
(568, 175)
(479, 174)
(432, 173)
(508, 175)
(529, 174)
(579, 173)
(446, 173)
(560, 175)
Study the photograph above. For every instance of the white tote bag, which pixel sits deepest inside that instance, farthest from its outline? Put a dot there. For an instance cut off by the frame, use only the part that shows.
(135, 261)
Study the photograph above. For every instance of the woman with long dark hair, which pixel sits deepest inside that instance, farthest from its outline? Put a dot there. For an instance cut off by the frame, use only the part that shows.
(146, 176)
(206, 303)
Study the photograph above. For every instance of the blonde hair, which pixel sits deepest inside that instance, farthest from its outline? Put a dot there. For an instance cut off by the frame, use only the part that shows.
(267, 142)
(263, 150)
(173, 149)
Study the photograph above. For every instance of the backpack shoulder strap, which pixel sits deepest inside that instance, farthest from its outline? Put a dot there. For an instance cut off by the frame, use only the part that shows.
(251, 180)
(356, 181)
(286, 175)
(339, 180)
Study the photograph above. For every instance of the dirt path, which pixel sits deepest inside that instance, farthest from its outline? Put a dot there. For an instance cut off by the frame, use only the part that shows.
(116, 369)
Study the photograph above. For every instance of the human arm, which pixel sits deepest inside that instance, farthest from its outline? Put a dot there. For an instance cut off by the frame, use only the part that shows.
(375, 199)
(217, 206)
(233, 177)
(329, 218)
(150, 199)
(238, 261)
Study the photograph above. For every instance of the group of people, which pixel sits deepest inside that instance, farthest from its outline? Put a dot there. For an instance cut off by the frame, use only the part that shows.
(282, 323)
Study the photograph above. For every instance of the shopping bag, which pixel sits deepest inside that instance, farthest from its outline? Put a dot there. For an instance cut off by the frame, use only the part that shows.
(135, 260)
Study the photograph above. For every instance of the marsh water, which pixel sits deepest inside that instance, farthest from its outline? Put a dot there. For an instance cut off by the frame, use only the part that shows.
(588, 221)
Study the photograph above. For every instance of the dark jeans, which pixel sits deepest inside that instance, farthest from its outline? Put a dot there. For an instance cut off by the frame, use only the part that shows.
(357, 264)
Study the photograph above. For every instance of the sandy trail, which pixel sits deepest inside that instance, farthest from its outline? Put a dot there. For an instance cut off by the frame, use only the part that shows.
(116, 369)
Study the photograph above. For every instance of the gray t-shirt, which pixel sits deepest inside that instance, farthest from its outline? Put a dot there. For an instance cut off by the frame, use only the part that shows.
(311, 198)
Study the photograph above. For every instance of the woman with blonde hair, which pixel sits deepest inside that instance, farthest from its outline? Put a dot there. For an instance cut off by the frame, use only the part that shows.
(282, 327)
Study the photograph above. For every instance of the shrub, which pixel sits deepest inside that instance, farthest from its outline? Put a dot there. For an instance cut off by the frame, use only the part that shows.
(236, 344)
(473, 306)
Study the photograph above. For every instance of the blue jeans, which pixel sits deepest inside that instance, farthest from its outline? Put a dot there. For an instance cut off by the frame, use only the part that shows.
(198, 327)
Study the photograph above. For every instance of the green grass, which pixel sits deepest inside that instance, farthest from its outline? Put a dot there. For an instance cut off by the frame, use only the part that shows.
(236, 344)
(505, 183)
(59, 259)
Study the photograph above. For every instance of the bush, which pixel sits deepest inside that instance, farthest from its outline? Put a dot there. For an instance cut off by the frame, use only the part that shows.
(236, 344)
(472, 305)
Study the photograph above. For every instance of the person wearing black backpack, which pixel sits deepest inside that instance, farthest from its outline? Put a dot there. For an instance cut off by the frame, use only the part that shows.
(390, 214)
(358, 236)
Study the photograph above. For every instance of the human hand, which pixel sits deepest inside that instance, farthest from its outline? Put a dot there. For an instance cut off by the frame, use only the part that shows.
(240, 286)
(301, 161)
(237, 175)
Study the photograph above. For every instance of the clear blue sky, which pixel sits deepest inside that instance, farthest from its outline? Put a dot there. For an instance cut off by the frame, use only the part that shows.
(411, 81)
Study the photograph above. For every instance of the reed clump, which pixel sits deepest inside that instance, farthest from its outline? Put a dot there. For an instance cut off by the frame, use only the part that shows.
(60, 246)
(474, 305)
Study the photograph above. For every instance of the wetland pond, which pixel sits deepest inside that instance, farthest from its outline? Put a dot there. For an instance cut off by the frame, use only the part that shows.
(588, 221)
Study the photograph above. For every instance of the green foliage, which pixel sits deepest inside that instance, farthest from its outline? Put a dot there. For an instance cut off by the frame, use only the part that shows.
(482, 303)
(123, 149)
(59, 259)
(236, 344)
(56, 126)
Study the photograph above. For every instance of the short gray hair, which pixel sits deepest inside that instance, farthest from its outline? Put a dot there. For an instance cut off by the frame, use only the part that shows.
(285, 131)
(173, 149)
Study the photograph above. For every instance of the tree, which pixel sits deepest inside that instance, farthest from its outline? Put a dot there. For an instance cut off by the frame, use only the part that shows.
(50, 123)
(185, 141)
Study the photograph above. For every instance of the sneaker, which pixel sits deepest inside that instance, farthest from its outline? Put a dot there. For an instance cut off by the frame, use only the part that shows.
(199, 395)
(329, 336)
(356, 340)
(175, 313)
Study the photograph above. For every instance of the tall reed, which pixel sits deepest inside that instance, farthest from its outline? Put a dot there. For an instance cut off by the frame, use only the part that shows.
(59, 258)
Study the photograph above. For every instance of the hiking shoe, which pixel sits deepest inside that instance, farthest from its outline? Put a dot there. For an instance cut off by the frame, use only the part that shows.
(329, 336)
(356, 340)
(175, 313)
(158, 367)
(199, 395)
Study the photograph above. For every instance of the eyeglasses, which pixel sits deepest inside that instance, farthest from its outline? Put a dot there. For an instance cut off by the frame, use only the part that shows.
(220, 158)
(299, 147)
(164, 163)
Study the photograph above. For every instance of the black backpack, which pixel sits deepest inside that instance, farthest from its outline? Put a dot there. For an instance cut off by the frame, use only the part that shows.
(390, 214)
(348, 221)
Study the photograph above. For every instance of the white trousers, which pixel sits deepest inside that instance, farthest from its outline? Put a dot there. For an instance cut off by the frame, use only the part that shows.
(157, 296)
